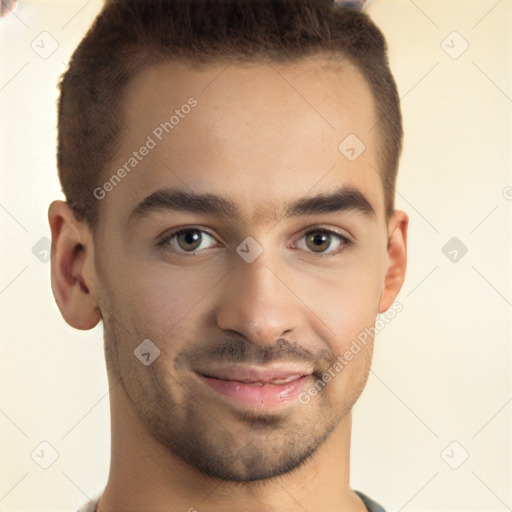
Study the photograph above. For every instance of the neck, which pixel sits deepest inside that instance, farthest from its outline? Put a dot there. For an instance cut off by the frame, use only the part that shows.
(146, 476)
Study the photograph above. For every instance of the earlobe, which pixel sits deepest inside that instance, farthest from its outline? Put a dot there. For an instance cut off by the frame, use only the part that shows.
(397, 259)
(71, 246)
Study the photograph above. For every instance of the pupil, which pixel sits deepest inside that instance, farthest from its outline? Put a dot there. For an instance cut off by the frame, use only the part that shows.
(191, 238)
(320, 241)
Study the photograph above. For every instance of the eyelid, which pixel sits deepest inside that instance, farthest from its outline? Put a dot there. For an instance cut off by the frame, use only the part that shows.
(165, 238)
(345, 239)
(319, 227)
(185, 227)
(306, 227)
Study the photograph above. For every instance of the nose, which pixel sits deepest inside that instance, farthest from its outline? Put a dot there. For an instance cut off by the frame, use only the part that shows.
(258, 303)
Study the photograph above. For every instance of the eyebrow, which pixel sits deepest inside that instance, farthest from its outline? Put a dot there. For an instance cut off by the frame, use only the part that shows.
(341, 199)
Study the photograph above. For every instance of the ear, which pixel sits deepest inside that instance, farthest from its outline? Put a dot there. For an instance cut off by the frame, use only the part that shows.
(71, 249)
(397, 259)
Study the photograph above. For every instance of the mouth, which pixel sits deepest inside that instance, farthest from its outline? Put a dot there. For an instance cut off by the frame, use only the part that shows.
(256, 387)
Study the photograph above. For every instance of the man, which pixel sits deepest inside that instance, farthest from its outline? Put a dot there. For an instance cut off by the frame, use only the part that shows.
(229, 170)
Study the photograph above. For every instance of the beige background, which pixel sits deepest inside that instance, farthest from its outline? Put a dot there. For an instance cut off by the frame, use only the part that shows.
(442, 367)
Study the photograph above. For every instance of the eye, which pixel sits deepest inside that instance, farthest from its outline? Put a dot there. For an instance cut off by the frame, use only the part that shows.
(323, 242)
(191, 240)
(188, 240)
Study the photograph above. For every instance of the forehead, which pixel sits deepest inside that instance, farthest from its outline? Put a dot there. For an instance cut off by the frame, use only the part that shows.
(260, 133)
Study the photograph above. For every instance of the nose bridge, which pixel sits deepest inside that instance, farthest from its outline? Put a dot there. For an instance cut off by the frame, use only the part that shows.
(256, 303)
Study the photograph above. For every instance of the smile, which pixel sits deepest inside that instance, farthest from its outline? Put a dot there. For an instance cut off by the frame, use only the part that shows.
(256, 387)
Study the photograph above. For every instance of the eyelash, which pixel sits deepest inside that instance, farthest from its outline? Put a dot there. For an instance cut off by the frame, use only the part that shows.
(344, 240)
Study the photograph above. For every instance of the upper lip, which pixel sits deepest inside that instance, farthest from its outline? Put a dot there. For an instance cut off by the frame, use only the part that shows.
(257, 374)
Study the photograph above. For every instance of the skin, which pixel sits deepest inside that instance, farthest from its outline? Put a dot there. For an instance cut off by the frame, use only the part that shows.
(260, 135)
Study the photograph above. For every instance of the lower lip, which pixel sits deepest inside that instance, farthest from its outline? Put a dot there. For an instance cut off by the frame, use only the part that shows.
(268, 395)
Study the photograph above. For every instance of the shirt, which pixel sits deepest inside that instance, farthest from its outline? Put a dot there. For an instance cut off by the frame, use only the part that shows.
(372, 506)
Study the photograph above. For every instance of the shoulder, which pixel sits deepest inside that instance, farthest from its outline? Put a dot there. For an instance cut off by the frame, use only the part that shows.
(90, 506)
(371, 505)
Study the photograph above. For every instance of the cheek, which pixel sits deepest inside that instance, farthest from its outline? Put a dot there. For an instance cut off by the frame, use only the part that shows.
(345, 300)
(160, 297)
(350, 308)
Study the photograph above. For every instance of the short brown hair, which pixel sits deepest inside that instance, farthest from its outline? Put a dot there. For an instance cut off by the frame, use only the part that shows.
(130, 35)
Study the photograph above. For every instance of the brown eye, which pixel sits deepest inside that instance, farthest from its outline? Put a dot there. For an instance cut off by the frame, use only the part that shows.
(319, 241)
(323, 242)
(188, 240)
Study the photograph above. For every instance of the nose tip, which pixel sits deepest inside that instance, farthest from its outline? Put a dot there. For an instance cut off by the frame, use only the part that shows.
(257, 305)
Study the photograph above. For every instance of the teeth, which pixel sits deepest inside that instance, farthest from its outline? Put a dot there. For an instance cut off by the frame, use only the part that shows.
(275, 382)
(285, 381)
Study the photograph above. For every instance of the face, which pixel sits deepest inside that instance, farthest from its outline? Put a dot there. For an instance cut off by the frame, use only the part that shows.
(250, 251)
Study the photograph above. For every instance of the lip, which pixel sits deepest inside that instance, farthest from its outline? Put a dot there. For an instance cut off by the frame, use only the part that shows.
(257, 387)
(245, 374)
